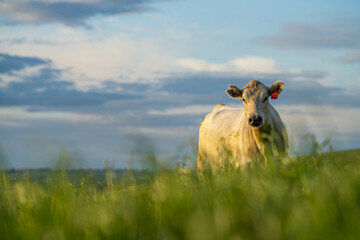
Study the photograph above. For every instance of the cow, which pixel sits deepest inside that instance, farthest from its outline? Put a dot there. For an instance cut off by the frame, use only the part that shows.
(239, 136)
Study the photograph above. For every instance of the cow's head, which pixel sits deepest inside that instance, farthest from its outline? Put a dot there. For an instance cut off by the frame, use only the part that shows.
(255, 96)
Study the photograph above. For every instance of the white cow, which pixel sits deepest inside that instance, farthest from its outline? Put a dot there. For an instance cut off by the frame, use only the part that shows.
(240, 136)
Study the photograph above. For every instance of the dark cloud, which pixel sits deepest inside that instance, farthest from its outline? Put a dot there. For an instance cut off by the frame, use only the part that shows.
(15, 41)
(47, 88)
(133, 88)
(10, 63)
(67, 12)
(210, 89)
(314, 93)
(341, 34)
(349, 58)
(204, 83)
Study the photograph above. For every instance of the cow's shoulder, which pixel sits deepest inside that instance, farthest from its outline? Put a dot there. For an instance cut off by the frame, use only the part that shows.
(219, 107)
(215, 111)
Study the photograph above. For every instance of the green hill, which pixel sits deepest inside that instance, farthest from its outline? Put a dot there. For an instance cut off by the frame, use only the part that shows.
(352, 155)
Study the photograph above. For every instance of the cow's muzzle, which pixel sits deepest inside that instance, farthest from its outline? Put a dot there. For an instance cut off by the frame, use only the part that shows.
(255, 120)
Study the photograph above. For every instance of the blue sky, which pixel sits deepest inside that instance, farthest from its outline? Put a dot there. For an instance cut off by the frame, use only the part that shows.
(95, 77)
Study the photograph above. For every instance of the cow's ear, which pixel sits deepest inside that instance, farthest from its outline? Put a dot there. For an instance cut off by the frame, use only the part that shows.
(234, 92)
(276, 87)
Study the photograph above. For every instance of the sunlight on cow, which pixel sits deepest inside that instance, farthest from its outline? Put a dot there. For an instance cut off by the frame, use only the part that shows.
(239, 136)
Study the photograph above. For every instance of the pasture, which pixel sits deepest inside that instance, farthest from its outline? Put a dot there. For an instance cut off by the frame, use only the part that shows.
(312, 197)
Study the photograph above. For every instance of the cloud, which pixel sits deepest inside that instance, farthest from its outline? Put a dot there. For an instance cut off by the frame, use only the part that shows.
(207, 88)
(130, 88)
(349, 58)
(255, 65)
(24, 40)
(10, 63)
(179, 93)
(47, 89)
(90, 63)
(249, 64)
(205, 82)
(247, 68)
(200, 65)
(298, 36)
(69, 12)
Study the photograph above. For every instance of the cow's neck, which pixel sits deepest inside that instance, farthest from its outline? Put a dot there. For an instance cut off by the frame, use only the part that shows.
(263, 139)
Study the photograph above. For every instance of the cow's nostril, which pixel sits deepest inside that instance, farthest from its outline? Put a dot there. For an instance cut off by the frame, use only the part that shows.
(255, 120)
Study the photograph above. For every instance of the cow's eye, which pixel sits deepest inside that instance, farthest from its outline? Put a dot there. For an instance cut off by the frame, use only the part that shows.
(266, 98)
(244, 100)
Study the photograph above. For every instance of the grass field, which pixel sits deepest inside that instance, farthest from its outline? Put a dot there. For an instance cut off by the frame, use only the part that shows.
(313, 197)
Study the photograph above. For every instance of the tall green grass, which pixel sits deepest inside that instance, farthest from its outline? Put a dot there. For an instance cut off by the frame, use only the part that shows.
(315, 197)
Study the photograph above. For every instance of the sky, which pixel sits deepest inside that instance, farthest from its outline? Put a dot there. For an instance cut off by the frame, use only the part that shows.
(100, 79)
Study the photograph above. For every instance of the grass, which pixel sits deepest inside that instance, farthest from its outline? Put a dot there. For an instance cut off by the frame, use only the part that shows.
(314, 197)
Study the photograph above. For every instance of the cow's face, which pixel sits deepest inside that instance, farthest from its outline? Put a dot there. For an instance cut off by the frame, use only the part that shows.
(255, 96)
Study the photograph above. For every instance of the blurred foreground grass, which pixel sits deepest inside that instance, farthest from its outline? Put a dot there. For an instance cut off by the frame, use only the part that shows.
(315, 197)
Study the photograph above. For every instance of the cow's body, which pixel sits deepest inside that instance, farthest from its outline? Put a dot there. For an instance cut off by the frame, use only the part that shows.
(226, 135)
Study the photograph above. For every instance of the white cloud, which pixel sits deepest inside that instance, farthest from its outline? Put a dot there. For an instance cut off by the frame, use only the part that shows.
(200, 65)
(90, 62)
(254, 65)
(249, 64)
